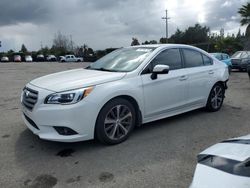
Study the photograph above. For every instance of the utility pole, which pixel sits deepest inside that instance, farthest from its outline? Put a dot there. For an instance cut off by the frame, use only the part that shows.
(71, 43)
(166, 18)
(41, 44)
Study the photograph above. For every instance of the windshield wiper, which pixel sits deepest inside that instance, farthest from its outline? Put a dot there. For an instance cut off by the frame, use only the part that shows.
(102, 69)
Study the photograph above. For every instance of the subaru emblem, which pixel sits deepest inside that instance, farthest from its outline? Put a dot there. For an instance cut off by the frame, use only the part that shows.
(27, 93)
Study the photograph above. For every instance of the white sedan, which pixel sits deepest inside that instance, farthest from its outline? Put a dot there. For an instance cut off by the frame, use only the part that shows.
(124, 89)
(224, 165)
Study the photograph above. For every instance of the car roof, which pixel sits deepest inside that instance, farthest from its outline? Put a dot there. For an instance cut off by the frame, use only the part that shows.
(164, 45)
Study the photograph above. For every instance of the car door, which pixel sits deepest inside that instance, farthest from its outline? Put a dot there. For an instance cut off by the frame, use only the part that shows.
(73, 59)
(201, 74)
(168, 92)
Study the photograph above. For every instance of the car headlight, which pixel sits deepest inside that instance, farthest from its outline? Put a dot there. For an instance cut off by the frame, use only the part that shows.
(68, 97)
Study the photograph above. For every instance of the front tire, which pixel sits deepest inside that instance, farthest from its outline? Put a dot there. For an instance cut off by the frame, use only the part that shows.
(115, 121)
(216, 98)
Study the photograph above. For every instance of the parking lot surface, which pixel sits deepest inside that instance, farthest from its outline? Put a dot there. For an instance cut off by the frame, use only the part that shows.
(158, 154)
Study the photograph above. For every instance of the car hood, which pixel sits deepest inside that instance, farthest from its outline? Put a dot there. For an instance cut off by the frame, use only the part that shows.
(73, 79)
(224, 165)
(235, 149)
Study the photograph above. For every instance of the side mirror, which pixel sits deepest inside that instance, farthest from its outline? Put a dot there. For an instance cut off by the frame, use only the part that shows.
(159, 69)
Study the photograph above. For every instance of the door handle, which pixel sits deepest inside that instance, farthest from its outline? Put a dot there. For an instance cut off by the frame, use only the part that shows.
(211, 72)
(182, 78)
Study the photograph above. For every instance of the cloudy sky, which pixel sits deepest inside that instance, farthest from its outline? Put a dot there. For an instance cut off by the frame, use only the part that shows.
(108, 23)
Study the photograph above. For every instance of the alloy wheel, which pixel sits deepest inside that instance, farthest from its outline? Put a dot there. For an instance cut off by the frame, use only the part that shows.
(217, 97)
(118, 122)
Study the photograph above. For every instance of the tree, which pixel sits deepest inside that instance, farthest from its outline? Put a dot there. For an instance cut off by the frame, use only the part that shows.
(135, 42)
(238, 36)
(163, 40)
(228, 45)
(177, 37)
(196, 34)
(61, 41)
(244, 12)
(146, 42)
(44, 51)
(150, 42)
(23, 49)
(192, 35)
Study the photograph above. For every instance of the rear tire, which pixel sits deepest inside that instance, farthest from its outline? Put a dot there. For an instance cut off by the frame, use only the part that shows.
(216, 98)
(115, 121)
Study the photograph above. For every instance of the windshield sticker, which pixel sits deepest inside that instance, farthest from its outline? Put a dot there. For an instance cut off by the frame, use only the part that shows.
(144, 50)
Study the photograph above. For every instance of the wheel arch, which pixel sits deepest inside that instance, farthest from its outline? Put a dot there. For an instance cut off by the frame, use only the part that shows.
(223, 83)
(133, 101)
(136, 106)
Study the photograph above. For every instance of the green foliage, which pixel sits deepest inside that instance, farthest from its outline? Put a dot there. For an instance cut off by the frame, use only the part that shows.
(149, 42)
(163, 40)
(135, 42)
(23, 49)
(192, 35)
(228, 45)
(244, 12)
(177, 37)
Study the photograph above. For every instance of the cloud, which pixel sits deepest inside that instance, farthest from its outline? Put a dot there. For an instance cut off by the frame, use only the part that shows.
(23, 11)
(108, 23)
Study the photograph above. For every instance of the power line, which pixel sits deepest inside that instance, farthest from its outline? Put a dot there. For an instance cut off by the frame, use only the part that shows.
(166, 18)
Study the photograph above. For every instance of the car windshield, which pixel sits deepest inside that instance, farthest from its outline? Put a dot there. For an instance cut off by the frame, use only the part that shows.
(216, 55)
(236, 55)
(122, 60)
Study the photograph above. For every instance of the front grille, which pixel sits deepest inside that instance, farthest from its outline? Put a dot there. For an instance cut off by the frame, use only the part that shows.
(236, 61)
(30, 97)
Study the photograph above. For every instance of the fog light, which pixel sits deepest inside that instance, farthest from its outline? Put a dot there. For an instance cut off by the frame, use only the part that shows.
(65, 131)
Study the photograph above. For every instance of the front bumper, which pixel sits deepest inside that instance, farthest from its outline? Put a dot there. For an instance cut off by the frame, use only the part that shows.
(239, 66)
(80, 117)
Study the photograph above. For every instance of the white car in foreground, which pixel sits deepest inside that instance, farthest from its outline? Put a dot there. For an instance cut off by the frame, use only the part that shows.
(224, 165)
(124, 89)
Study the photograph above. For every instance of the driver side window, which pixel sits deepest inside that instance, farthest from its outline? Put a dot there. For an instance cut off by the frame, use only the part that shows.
(170, 57)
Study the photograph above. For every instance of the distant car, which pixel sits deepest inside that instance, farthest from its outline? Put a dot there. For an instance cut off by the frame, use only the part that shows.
(71, 58)
(4, 59)
(60, 58)
(17, 58)
(240, 60)
(51, 58)
(40, 57)
(225, 58)
(28, 58)
(224, 165)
